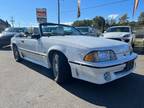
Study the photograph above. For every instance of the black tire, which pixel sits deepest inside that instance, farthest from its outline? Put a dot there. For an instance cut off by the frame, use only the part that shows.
(16, 54)
(61, 68)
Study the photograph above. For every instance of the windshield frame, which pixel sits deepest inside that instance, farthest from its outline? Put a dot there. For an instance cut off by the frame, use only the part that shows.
(83, 29)
(53, 24)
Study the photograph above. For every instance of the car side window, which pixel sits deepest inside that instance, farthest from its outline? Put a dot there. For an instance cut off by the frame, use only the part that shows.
(70, 31)
(49, 30)
(31, 32)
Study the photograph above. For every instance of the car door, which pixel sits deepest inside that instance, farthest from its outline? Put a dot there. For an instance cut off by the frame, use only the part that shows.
(28, 47)
(32, 49)
(42, 50)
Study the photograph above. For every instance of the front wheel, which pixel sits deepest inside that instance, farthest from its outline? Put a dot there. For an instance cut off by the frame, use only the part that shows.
(16, 54)
(61, 68)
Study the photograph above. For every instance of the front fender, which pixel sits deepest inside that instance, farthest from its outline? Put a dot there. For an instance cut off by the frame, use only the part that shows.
(61, 49)
(57, 48)
(71, 53)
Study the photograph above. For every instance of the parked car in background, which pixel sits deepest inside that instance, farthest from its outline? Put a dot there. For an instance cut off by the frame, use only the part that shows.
(86, 30)
(5, 36)
(120, 33)
(70, 54)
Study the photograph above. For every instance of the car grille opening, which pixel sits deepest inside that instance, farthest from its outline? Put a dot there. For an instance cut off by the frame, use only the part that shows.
(128, 67)
(127, 40)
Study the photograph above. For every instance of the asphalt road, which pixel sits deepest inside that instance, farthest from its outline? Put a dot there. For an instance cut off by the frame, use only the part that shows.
(27, 85)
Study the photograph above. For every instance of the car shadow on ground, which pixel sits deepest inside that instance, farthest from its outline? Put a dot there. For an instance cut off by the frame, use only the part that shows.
(127, 92)
(37, 68)
(139, 51)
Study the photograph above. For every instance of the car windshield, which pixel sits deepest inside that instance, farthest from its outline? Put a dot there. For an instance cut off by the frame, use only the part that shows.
(18, 30)
(83, 30)
(55, 30)
(118, 29)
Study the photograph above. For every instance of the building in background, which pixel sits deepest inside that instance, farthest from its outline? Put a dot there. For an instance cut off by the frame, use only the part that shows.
(3, 25)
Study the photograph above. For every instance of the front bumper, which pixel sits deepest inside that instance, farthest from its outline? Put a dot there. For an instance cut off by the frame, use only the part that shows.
(102, 75)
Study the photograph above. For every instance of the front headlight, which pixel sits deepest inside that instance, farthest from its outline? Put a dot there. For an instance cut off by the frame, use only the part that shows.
(126, 36)
(100, 56)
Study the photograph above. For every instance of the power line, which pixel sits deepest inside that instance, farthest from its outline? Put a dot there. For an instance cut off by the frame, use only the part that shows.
(100, 5)
(96, 6)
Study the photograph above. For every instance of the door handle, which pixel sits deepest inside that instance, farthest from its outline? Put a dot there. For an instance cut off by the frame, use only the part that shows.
(22, 41)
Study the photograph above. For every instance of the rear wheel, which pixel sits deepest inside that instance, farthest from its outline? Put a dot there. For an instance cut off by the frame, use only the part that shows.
(16, 54)
(61, 68)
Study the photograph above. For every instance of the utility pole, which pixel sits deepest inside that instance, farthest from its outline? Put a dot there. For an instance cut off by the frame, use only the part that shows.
(58, 11)
(12, 21)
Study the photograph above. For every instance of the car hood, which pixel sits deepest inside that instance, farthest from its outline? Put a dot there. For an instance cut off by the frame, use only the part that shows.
(7, 34)
(87, 41)
(114, 34)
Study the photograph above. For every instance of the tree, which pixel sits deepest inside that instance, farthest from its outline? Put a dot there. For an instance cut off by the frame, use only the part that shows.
(123, 20)
(133, 23)
(82, 23)
(99, 22)
(141, 18)
(111, 22)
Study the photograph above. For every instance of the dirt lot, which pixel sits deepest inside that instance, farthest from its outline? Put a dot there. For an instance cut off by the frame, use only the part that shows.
(26, 85)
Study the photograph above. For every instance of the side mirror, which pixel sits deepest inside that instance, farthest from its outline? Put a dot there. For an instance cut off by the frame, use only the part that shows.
(133, 32)
(35, 36)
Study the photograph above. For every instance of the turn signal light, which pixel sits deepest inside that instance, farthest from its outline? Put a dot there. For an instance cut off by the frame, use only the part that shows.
(89, 57)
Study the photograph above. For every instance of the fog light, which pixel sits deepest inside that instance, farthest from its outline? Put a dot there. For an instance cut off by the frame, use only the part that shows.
(107, 76)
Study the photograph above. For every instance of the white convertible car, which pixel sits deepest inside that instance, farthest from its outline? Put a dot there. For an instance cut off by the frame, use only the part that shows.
(71, 54)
